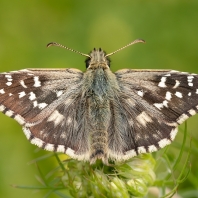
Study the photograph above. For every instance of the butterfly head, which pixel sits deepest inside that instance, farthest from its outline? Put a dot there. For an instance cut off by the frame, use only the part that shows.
(97, 59)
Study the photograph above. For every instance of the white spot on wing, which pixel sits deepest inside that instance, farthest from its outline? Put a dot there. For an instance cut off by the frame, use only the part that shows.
(9, 83)
(22, 94)
(32, 96)
(27, 132)
(19, 119)
(192, 112)
(8, 76)
(190, 84)
(39, 105)
(162, 143)
(177, 83)
(178, 94)
(173, 133)
(59, 93)
(162, 82)
(35, 103)
(143, 118)
(165, 103)
(56, 117)
(2, 91)
(190, 79)
(70, 152)
(37, 82)
(9, 113)
(130, 154)
(37, 142)
(2, 108)
(23, 84)
(189, 94)
(158, 105)
(49, 147)
(61, 148)
(161, 105)
(168, 95)
(141, 149)
(182, 118)
(152, 148)
(140, 93)
(42, 105)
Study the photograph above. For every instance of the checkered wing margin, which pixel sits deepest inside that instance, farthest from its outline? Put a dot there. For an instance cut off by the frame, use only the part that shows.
(152, 104)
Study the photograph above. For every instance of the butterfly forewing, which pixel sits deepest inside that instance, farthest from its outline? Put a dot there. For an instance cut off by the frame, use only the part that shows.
(33, 94)
(173, 93)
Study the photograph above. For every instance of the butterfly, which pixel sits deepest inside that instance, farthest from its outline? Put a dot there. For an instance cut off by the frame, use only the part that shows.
(98, 114)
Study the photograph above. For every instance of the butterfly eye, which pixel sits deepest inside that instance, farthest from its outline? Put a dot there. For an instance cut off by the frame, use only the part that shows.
(87, 62)
(108, 61)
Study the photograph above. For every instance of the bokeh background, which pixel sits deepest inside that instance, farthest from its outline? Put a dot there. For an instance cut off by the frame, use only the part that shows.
(169, 27)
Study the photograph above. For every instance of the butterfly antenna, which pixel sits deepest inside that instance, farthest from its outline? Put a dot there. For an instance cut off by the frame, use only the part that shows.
(59, 45)
(134, 42)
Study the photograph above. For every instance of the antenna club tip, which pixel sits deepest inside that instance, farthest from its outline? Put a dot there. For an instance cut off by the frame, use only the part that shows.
(140, 41)
(51, 44)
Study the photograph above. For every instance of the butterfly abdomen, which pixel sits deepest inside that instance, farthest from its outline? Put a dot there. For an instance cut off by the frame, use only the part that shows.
(98, 148)
(98, 118)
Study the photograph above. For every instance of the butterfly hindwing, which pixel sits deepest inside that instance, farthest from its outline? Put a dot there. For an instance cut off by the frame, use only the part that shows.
(136, 129)
(64, 130)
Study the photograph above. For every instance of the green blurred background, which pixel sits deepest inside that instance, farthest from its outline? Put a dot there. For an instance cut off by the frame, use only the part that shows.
(169, 27)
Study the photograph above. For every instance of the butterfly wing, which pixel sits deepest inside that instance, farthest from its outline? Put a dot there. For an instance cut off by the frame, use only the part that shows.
(48, 104)
(150, 107)
(144, 115)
